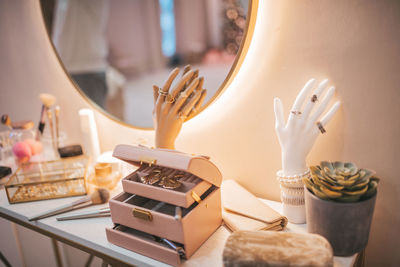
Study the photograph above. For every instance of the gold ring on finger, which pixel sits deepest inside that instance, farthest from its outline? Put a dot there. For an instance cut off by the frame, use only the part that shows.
(161, 92)
(182, 117)
(170, 99)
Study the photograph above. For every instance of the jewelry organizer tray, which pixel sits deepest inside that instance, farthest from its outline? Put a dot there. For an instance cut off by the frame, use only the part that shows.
(157, 220)
(48, 180)
(184, 196)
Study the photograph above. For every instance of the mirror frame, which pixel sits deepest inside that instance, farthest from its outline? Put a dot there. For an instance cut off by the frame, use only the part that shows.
(239, 58)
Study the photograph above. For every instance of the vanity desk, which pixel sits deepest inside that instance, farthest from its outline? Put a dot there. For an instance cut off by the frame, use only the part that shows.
(89, 235)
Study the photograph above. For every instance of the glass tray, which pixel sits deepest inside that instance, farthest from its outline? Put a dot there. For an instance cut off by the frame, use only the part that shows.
(48, 179)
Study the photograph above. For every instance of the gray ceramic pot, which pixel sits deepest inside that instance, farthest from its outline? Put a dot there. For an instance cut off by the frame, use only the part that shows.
(345, 225)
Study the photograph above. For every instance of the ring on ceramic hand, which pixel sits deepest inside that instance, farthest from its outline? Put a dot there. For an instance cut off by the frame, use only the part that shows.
(182, 117)
(321, 128)
(295, 112)
(161, 92)
(170, 99)
(314, 98)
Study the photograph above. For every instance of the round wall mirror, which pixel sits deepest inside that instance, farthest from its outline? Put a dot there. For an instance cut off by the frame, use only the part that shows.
(115, 51)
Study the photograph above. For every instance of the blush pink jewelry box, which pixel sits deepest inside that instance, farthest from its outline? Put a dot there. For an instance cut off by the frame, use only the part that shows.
(162, 223)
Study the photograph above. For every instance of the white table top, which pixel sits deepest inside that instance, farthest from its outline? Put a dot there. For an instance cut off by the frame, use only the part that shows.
(89, 234)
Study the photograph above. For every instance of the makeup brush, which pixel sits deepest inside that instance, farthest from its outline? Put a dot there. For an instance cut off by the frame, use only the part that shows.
(57, 113)
(19, 125)
(47, 101)
(5, 119)
(99, 196)
(85, 215)
(50, 118)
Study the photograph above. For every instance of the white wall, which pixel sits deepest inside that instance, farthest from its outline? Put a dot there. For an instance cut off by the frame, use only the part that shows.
(354, 43)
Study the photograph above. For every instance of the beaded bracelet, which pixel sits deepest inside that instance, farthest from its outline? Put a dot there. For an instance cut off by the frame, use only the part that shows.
(293, 191)
(292, 200)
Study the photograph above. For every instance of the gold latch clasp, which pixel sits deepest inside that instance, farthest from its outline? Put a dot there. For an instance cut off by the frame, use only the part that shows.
(196, 197)
(147, 160)
(142, 214)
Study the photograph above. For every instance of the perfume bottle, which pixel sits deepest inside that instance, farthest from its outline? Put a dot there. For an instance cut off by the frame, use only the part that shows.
(104, 176)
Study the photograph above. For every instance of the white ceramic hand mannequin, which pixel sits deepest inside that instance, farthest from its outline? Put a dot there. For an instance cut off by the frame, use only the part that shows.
(299, 134)
(172, 108)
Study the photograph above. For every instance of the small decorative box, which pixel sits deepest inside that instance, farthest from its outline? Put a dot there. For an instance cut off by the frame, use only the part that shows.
(34, 181)
(170, 205)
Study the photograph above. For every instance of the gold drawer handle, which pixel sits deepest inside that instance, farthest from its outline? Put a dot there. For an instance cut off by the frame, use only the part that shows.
(196, 197)
(142, 214)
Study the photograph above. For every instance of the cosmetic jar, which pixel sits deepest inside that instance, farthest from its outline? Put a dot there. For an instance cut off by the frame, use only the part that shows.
(104, 176)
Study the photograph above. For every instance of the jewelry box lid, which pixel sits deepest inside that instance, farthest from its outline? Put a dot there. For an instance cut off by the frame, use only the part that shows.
(201, 166)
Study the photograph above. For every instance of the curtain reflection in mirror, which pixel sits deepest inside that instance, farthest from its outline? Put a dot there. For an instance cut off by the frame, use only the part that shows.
(167, 19)
(78, 35)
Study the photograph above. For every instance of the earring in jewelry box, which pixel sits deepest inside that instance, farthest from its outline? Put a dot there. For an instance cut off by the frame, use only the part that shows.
(151, 178)
(169, 183)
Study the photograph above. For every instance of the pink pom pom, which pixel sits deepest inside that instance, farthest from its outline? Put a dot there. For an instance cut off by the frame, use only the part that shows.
(36, 146)
(22, 151)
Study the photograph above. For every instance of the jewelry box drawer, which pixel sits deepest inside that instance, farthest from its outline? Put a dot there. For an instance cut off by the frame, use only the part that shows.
(143, 243)
(191, 228)
(184, 196)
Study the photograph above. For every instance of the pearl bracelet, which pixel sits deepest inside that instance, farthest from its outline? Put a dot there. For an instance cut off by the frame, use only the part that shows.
(293, 180)
(280, 174)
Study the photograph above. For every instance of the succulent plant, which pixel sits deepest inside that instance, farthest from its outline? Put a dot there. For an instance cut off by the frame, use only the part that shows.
(341, 182)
